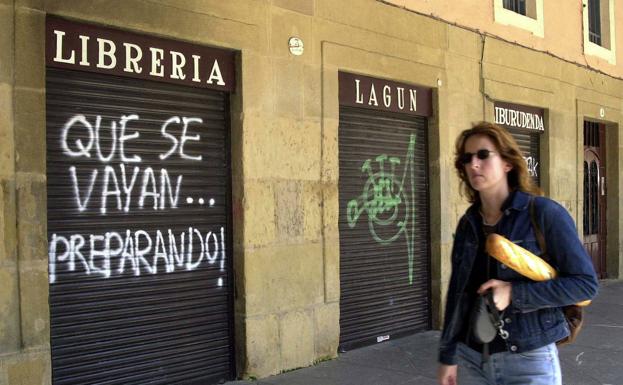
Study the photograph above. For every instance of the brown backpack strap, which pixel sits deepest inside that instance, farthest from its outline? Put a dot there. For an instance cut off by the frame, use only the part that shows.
(574, 315)
(537, 230)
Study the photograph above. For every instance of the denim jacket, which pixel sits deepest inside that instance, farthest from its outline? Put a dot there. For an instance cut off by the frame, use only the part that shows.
(534, 318)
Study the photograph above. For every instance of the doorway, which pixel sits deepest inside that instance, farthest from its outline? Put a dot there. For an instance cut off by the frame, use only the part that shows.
(595, 194)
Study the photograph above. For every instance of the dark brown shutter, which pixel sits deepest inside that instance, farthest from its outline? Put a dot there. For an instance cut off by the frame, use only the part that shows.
(384, 226)
(129, 325)
(529, 144)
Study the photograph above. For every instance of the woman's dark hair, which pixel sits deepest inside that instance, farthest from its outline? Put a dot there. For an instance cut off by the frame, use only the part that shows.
(518, 176)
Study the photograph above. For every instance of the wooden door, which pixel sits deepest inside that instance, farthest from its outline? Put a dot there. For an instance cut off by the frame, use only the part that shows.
(594, 215)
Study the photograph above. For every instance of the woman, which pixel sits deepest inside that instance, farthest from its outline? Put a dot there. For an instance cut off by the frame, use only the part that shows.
(495, 178)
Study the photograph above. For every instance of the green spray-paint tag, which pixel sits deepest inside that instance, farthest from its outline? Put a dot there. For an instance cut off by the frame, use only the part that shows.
(387, 201)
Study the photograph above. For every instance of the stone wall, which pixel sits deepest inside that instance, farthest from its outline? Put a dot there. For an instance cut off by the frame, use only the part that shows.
(284, 151)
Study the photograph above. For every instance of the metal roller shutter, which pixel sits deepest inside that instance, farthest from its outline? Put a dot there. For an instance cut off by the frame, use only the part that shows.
(529, 145)
(140, 260)
(384, 226)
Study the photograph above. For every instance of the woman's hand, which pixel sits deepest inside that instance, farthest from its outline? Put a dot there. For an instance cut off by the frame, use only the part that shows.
(447, 374)
(502, 292)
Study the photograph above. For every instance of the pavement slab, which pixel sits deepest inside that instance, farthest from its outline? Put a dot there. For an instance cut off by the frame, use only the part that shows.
(596, 358)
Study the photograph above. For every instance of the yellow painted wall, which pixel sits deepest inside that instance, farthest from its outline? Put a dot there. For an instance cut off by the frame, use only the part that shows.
(562, 20)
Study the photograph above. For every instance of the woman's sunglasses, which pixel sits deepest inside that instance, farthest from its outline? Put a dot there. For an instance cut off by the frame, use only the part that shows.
(466, 158)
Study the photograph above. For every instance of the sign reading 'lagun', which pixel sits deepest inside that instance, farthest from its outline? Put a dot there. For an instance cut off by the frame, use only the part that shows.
(384, 95)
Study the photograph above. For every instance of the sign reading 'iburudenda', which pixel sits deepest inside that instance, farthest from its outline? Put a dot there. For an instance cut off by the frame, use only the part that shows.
(519, 117)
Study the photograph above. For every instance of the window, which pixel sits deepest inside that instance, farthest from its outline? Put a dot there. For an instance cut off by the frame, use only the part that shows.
(599, 31)
(594, 22)
(518, 6)
(591, 198)
(524, 14)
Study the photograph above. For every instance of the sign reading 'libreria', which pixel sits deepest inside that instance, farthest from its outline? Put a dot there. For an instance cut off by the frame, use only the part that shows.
(90, 48)
(518, 116)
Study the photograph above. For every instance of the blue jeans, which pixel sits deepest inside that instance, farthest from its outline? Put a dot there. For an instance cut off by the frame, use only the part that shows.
(536, 367)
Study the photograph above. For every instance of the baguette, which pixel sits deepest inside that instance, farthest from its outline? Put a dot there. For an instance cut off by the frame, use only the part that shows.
(521, 260)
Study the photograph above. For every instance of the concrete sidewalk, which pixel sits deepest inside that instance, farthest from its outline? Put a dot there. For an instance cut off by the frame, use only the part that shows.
(595, 359)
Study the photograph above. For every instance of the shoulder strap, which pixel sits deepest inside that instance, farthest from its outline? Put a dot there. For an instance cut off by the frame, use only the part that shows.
(537, 229)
